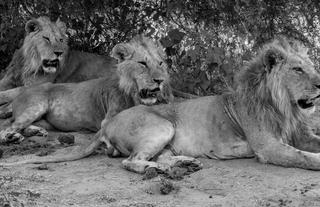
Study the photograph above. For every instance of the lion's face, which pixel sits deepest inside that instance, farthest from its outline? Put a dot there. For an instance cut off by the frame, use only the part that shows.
(150, 82)
(303, 81)
(143, 71)
(298, 76)
(45, 44)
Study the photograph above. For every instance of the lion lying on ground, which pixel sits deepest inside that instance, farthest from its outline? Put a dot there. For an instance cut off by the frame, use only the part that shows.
(45, 57)
(265, 117)
(141, 78)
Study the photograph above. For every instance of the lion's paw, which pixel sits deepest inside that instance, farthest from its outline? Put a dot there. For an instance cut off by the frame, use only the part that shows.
(10, 135)
(35, 131)
(189, 163)
(140, 166)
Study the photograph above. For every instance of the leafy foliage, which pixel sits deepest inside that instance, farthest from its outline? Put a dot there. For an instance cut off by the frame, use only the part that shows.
(206, 41)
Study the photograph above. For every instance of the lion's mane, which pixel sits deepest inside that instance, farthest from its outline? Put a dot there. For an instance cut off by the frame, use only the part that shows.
(266, 98)
(25, 67)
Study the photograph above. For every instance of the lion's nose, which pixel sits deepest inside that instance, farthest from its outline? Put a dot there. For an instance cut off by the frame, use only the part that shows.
(58, 53)
(158, 81)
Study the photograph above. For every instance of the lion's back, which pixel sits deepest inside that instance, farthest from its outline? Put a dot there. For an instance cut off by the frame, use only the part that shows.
(82, 66)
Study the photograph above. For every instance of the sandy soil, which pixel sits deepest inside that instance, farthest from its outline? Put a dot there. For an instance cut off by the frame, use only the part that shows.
(101, 181)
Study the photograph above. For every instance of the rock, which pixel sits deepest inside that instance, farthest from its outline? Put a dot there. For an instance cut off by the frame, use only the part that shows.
(166, 186)
(42, 167)
(45, 152)
(177, 173)
(67, 139)
(150, 173)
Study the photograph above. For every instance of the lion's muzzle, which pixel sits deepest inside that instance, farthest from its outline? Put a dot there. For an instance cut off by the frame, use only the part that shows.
(308, 102)
(149, 96)
(148, 93)
(50, 66)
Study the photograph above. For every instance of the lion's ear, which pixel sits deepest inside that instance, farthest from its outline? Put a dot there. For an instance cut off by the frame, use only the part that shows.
(272, 57)
(121, 52)
(60, 24)
(32, 26)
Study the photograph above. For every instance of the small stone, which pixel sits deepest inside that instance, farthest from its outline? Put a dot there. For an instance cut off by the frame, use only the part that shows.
(44, 152)
(33, 194)
(150, 173)
(66, 139)
(42, 167)
(166, 186)
(1, 153)
(177, 173)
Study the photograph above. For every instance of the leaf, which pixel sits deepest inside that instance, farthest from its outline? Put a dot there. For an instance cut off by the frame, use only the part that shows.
(227, 69)
(215, 55)
(166, 42)
(176, 36)
(3, 47)
(151, 32)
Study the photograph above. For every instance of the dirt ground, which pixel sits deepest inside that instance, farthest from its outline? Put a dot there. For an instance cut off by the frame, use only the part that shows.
(101, 181)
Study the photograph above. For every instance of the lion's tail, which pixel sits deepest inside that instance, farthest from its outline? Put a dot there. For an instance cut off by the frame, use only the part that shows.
(61, 155)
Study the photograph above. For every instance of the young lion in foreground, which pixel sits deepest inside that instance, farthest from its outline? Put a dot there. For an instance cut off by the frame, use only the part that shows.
(141, 78)
(265, 117)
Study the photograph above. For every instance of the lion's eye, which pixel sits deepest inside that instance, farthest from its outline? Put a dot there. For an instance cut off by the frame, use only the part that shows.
(298, 69)
(46, 38)
(143, 63)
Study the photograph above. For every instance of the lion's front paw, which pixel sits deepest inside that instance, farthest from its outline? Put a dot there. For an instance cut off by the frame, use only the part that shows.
(35, 131)
(189, 163)
(10, 135)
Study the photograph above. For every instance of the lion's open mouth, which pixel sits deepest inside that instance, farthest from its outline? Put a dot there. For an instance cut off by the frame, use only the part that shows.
(50, 66)
(149, 96)
(307, 103)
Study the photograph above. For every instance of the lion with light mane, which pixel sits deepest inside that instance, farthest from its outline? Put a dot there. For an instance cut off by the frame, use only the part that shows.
(141, 77)
(266, 117)
(46, 57)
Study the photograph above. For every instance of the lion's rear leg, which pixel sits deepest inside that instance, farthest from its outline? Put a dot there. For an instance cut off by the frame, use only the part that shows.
(150, 141)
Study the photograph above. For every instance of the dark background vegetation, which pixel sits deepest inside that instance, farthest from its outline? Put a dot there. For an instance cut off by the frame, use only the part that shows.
(206, 40)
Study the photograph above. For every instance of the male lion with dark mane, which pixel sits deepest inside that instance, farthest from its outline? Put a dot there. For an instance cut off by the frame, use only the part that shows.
(141, 78)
